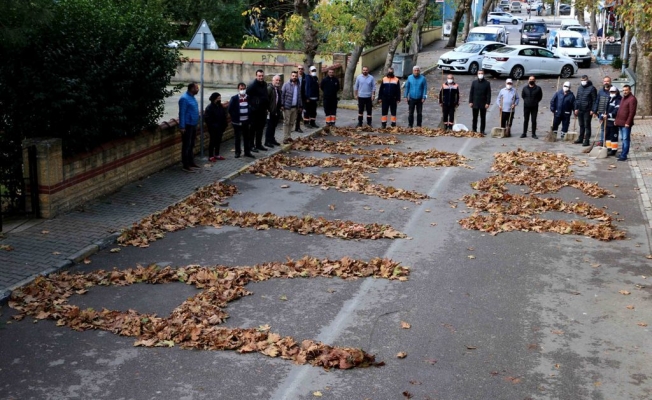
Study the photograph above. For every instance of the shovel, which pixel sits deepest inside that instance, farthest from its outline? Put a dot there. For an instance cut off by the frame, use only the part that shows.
(552, 135)
(598, 151)
(572, 135)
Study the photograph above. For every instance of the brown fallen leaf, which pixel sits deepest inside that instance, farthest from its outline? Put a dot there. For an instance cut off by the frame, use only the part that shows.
(415, 382)
(630, 307)
(6, 247)
(649, 256)
(642, 324)
(115, 250)
(595, 265)
(512, 379)
(431, 361)
(56, 253)
(407, 395)
(624, 292)
(87, 260)
(402, 354)
(45, 232)
(471, 256)
(331, 207)
(471, 347)
(317, 394)
(557, 332)
(405, 325)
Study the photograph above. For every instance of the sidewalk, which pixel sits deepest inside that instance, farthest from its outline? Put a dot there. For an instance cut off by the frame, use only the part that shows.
(44, 246)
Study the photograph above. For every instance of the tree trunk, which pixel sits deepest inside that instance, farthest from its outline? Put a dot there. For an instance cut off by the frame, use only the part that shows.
(594, 24)
(393, 45)
(464, 5)
(280, 42)
(372, 22)
(467, 24)
(415, 43)
(579, 11)
(485, 11)
(644, 72)
(304, 8)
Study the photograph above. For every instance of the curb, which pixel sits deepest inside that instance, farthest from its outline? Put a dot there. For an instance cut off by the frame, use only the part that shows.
(112, 238)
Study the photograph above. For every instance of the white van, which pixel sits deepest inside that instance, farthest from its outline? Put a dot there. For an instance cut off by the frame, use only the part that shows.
(565, 23)
(571, 44)
(487, 34)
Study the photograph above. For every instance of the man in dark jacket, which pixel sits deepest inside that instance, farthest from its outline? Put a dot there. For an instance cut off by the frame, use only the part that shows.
(301, 78)
(274, 109)
(330, 86)
(258, 104)
(584, 102)
(561, 105)
(449, 100)
(600, 104)
(389, 95)
(531, 95)
(311, 96)
(625, 119)
(608, 119)
(479, 101)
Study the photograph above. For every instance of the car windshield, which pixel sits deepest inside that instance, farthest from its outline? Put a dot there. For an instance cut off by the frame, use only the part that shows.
(479, 37)
(573, 42)
(534, 29)
(469, 48)
(578, 29)
(505, 49)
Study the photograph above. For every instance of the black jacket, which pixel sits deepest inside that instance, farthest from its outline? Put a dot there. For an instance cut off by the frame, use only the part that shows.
(330, 87)
(390, 89)
(449, 95)
(257, 94)
(480, 94)
(215, 116)
(562, 104)
(585, 98)
(531, 96)
(601, 101)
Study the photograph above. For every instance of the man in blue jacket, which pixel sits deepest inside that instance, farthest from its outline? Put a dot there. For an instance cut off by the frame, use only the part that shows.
(188, 119)
(416, 92)
(562, 104)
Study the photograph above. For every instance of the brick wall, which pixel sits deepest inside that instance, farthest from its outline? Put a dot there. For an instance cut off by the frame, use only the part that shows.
(67, 183)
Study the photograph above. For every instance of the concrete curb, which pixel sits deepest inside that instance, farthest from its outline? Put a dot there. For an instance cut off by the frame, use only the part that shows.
(112, 238)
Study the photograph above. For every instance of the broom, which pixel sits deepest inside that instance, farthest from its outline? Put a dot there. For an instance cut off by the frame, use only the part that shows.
(552, 136)
(572, 135)
(499, 132)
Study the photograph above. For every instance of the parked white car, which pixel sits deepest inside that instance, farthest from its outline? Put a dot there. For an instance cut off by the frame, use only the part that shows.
(467, 57)
(515, 7)
(521, 61)
(503, 17)
(584, 31)
(491, 33)
(571, 44)
(533, 5)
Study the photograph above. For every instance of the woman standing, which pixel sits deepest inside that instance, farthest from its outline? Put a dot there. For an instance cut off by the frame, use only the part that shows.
(215, 115)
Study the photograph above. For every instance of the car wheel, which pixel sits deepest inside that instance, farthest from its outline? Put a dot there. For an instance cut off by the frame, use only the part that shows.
(473, 68)
(517, 72)
(566, 71)
(515, 22)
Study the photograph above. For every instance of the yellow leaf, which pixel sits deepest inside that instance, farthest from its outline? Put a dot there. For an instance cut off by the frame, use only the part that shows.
(624, 292)
(401, 355)
(405, 325)
(642, 324)
(630, 307)
(317, 394)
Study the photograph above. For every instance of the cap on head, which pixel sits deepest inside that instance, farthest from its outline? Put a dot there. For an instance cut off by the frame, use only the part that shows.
(567, 84)
(508, 80)
(313, 68)
(613, 89)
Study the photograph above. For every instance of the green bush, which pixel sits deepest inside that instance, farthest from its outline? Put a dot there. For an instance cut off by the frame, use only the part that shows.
(617, 63)
(96, 71)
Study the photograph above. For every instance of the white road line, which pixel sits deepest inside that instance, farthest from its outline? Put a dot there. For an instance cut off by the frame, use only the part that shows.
(296, 379)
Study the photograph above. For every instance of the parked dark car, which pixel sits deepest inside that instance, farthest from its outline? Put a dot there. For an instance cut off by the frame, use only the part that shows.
(564, 9)
(534, 33)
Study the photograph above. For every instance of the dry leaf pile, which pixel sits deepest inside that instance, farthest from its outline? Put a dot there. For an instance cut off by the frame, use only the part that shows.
(195, 323)
(402, 130)
(201, 209)
(542, 172)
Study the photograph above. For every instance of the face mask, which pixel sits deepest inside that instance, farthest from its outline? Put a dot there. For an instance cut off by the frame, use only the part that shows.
(243, 92)
(480, 76)
(532, 83)
(313, 73)
(509, 86)
(566, 89)
(612, 95)
(449, 81)
(390, 74)
(584, 83)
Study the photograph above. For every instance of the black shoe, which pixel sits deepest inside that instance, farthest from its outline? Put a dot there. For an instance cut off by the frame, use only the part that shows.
(384, 125)
(261, 148)
(255, 150)
(276, 143)
(271, 146)
(393, 125)
(299, 130)
(314, 125)
(359, 124)
(250, 155)
(586, 143)
(409, 126)
(534, 136)
(237, 155)
(578, 141)
(523, 136)
(621, 159)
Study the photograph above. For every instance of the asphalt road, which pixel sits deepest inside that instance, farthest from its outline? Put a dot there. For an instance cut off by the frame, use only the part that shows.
(533, 315)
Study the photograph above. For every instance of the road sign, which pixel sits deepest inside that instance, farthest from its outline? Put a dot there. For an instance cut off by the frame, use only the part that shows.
(209, 40)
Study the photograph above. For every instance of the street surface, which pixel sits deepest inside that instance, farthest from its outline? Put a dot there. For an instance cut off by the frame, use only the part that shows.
(518, 315)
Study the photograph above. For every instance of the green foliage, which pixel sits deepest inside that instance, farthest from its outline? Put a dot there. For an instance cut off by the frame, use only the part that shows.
(94, 72)
(617, 63)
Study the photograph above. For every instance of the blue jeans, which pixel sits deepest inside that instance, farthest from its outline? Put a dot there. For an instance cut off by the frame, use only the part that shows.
(625, 133)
